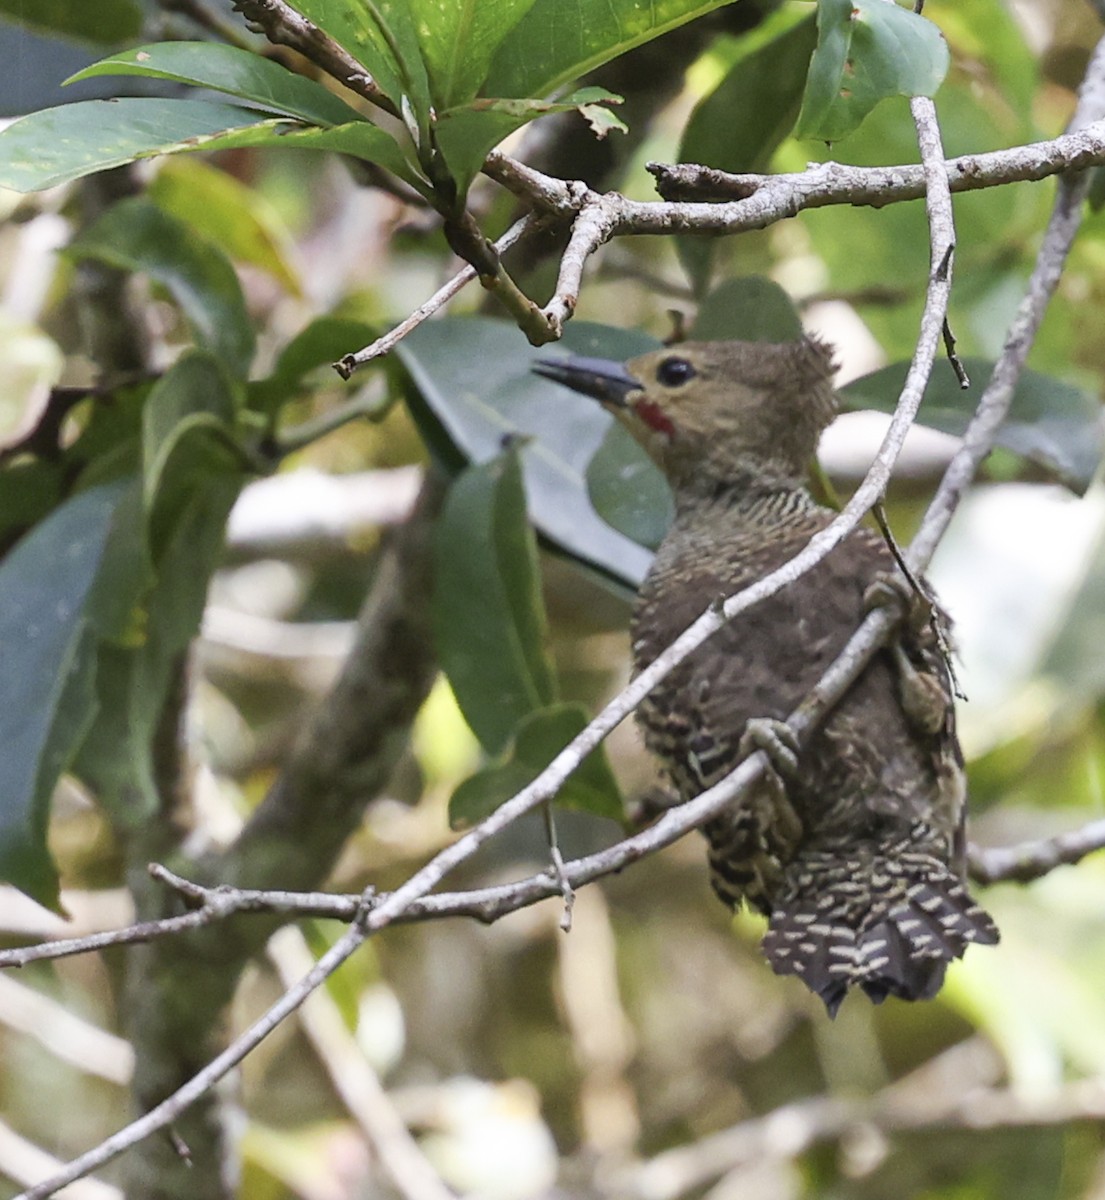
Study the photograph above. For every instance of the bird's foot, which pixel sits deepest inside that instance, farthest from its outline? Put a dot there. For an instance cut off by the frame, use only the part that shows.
(923, 695)
(776, 739)
(902, 596)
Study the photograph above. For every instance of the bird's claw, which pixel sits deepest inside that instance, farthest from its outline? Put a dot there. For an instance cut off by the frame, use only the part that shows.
(776, 739)
(889, 589)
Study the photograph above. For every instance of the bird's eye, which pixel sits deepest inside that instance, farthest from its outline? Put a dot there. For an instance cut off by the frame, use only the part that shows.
(674, 372)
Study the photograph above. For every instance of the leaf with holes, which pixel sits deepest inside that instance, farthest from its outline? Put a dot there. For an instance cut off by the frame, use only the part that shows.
(867, 51)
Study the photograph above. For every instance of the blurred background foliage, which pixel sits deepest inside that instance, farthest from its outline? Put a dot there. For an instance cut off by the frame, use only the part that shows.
(632, 1057)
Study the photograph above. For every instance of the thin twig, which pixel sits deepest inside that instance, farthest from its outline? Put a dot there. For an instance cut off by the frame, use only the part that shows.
(382, 345)
(957, 364)
(558, 865)
(987, 865)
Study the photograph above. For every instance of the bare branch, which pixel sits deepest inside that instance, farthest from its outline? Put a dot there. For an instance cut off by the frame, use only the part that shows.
(835, 183)
(1022, 864)
(1032, 860)
(765, 199)
(347, 365)
(283, 26)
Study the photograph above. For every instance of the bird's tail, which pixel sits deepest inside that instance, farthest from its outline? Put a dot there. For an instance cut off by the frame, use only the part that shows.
(886, 922)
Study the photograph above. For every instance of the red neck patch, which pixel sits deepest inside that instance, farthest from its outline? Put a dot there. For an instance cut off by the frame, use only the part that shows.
(654, 417)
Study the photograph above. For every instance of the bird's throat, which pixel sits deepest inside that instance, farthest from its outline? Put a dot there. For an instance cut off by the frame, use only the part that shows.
(654, 417)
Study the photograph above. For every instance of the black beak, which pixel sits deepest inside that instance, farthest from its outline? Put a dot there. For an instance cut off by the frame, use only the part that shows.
(602, 378)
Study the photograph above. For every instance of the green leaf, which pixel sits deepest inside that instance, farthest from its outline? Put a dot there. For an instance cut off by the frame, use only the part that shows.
(163, 549)
(319, 344)
(135, 681)
(474, 380)
(466, 135)
(359, 139)
(489, 619)
(28, 491)
(538, 739)
(104, 23)
(46, 683)
(1051, 424)
(57, 145)
(459, 39)
(763, 85)
(137, 236)
(187, 438)
(628, 489)
(260, 81)
(867, 50)
(751, 309)
(550, 47)
(382, 35)
(235, 217)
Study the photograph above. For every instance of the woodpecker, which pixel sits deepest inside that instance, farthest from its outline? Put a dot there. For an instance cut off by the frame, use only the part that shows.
(853, 846)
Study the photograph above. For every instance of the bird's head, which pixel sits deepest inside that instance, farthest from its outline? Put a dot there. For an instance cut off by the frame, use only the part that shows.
(710, 412)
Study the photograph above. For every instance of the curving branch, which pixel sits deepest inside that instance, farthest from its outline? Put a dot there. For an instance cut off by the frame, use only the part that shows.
(875, 187)
(209, 905)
